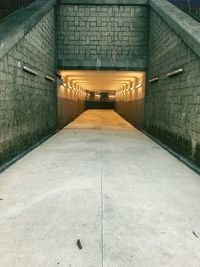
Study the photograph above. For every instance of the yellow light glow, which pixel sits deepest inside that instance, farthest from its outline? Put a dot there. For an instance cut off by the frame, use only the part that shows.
(98, 81)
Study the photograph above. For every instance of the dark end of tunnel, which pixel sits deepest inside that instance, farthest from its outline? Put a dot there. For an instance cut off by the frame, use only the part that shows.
(100, 105)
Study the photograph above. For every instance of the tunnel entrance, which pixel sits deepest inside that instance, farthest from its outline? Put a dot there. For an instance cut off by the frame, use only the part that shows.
(122, 91)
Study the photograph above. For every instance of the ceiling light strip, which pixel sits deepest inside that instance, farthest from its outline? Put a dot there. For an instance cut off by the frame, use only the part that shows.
(139, 85)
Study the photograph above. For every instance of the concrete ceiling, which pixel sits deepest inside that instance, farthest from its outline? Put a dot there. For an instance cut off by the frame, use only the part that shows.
(101, 81)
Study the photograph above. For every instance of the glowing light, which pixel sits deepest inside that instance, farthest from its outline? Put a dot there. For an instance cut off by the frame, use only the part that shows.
(139, 85)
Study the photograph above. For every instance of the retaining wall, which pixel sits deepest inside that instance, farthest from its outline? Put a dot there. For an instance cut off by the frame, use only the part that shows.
(172, 108)
(28, 105)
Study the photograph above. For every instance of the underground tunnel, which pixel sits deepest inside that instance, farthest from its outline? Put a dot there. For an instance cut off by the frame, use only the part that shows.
(99, 133)
(122, 91)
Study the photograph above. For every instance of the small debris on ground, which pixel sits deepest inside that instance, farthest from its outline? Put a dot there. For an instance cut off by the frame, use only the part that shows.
(79, 244)
(1, 199)
(195, 234)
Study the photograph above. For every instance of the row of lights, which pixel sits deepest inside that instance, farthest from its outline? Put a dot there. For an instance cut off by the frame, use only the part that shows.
(98, 95)
(170, 74)
(129, 89)
(73, 88)
(35, 73)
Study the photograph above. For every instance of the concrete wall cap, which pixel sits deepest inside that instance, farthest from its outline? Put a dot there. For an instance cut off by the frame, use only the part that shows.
(13, 29)
(103, 64)
(184, 25)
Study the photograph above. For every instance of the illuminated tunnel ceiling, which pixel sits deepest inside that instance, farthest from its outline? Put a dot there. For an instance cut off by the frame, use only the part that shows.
(101, 81)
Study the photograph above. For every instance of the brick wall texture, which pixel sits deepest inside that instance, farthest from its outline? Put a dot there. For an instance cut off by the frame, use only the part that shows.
(172, 111)
(28, 103)
(102, 32)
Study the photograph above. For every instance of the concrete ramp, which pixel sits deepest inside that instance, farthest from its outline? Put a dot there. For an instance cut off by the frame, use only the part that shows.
(130, 202)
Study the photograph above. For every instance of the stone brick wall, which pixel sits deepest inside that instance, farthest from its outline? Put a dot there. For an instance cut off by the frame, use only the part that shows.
(28, 108)
(172, 110)
(102, 37)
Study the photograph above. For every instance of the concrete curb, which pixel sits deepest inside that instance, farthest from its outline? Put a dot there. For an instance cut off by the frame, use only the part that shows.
(183, 159)
(184, 25)
(17, 26)
(24, 153)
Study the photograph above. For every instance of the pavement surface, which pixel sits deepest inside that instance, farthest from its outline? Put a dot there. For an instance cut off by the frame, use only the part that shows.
(130, 202)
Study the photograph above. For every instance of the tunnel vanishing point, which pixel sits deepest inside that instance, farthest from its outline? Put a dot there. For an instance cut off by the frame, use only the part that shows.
(94, 94)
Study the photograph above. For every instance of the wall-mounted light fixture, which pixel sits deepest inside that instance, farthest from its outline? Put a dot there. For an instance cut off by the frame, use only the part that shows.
(29, 70)
(153, 80)
(132, 88)
(139, 85)
(49, 78)
(175, 72)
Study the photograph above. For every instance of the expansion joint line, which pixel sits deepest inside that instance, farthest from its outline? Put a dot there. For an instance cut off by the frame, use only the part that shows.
(102, 222)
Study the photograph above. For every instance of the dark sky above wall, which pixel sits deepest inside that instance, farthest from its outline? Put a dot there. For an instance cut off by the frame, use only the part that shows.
(193, 3)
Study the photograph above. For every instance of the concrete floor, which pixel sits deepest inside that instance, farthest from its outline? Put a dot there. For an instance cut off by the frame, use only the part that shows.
(100, 119)
(129, 201)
